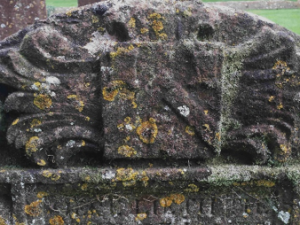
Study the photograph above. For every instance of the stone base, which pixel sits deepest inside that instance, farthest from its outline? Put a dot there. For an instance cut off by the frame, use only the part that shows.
(207, 195)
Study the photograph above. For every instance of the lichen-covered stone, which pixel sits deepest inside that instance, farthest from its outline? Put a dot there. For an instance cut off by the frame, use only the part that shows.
(153, 80)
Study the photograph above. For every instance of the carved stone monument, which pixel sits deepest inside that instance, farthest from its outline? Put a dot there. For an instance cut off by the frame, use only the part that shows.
(150, 112)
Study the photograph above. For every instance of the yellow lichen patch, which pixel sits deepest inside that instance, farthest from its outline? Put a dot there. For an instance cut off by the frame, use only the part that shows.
(15, 122)
(205, 112)
(155, 16)
(127, 151)
(42, 101)
(120, 51)
(109, 93)
(56, 220)
(127, 120)
(177, 198)
(145, 179)
(285, 149)
(248, 211)
(41, 194)
(134, 105)
(33, 209)
(218, 136)
(144, 30)
(192, 188)
(163, 36)
(35, 122)
(47, 173)
(82, 143)
(87, 118)
(280, 64)
(41, 162)
(31, 145)
(271, 98)
(84, 186)
(79, 104)
(260, 183)
(190, 130)
(157, 26)
(167, 201)
(140, 216)
(131, 22)
(120, 126)
(147, 131)
(2, 221)
(280, 106)
(52, 176)
(95, 19)
(69, 13)
(206, 127)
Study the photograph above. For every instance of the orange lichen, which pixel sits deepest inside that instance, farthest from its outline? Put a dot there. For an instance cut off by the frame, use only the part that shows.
(271, 98)
(33, 209)
(131, 22)
(110, 92)
(79, 105)
(15, 122)
(35, 122)
(120, 51)
(42, 101)
(127, 151)
(279, 106)
(52, 176)
(190, 130)
(157, 26)
(177, 198)
(144, 30)
(41, 194)
(260, 183)
(84, 186)
(147, 131)
(56, 220)
(41, 162)
(192, 188)
(31, 145)
(167, 201)
(2, 221)
(140, 216)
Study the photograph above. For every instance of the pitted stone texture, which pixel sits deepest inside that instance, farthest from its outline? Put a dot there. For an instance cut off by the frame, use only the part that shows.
(17, 14)
(153, 79)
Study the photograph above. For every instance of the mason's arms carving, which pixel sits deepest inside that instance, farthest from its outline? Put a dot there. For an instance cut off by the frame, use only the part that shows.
(152, 84)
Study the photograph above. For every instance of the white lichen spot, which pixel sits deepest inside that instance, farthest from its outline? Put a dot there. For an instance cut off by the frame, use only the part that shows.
(37, 130)
(108, 174)
(297, 97)
(100, 43)
(52, 80)
(136, 81)
(52, 94)
(20, 94)
(184, 110)
(107, 69)
(284, 216)
(3, 25)
(167, 108)
(34, 87)
(129, 127)
(70, 143)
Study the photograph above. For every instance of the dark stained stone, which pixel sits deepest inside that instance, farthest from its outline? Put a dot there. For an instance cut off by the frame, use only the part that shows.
(17, 14)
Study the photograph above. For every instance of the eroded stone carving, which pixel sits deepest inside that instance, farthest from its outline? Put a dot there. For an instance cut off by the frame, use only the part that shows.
(151, 79)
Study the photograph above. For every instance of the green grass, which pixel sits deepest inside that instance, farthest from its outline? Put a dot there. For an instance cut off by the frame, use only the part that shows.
(61, 3)
(289, 18)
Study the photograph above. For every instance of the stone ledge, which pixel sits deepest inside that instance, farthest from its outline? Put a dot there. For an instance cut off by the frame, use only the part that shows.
(226, 194)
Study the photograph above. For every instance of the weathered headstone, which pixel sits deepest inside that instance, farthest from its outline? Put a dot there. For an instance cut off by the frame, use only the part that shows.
(86, 2)
(17, 14)
(150, 112)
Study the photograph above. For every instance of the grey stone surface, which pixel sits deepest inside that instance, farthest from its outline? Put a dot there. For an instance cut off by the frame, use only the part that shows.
(150, 112)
